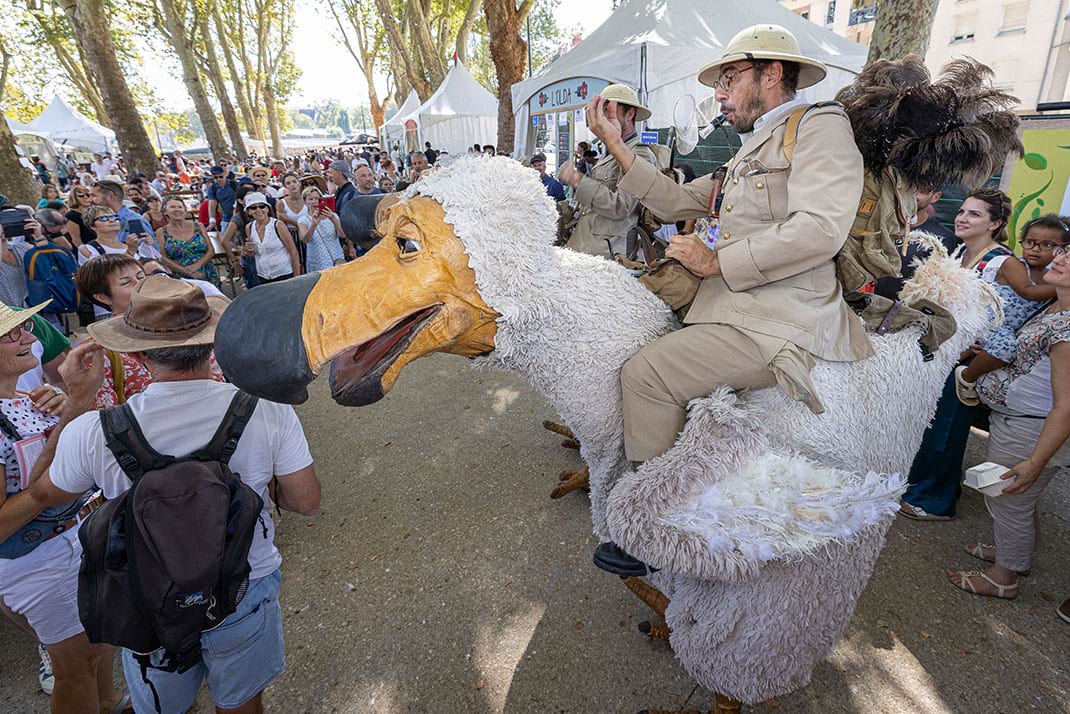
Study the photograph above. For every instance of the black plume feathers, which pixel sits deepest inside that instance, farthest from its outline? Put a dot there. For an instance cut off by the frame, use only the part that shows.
(958, 129)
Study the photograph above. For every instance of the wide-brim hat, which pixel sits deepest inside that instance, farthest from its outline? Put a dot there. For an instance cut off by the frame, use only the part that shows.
(623, 94)
(163, 312)
(767, 42)
(11, 318)
(314, 180)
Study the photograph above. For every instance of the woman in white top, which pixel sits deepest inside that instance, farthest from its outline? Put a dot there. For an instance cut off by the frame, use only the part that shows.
(268, 240)
(320, 229)
(293, 202)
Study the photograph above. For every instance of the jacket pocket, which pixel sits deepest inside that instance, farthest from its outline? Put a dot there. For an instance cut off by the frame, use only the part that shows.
(767, 194)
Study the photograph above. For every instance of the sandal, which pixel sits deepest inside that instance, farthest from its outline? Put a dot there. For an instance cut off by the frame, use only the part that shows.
(917, 513)
(965, 583)
(964, 390)
(987, 553)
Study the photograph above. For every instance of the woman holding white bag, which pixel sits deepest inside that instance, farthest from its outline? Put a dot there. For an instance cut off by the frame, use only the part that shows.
(1029, 425)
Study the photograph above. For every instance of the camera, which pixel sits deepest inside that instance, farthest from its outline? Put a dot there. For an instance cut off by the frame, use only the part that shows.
(13, 221)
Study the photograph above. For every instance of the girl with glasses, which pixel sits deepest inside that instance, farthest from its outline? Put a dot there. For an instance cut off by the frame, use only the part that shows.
(1020, 283)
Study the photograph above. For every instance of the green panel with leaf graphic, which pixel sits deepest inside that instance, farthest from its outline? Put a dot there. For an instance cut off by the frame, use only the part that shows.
(1040, 183)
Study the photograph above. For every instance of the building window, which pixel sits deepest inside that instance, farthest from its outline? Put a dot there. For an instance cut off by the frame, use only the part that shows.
(1014, 17)
(830, 16)
(965, 26)
(862, 11)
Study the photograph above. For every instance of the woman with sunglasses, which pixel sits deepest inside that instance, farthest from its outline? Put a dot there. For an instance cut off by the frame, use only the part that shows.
(39, 563)
(1028, 430)
(1020, 284)
(79, 232)
(269, 242)
(107, 226)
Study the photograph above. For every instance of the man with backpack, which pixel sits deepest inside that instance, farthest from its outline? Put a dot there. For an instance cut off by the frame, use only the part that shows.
(178, 442)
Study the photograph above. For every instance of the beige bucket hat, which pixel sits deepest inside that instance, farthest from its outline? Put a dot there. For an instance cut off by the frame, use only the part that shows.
(769, 42)
(623, 94)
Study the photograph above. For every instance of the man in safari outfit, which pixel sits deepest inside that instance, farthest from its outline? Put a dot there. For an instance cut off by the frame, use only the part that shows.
(769, 301)
(606, 214)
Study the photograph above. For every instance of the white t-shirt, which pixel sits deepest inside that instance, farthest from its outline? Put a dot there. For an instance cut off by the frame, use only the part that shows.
(178, 418)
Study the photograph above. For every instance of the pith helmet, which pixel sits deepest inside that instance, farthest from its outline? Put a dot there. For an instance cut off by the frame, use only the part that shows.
(623, 94)
(769, 42)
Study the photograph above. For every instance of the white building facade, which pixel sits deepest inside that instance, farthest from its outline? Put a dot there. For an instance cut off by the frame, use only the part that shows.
(1025, 42)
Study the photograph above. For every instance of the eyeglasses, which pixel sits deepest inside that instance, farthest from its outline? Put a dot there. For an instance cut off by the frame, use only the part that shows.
(15, 333)
(1046, 245)
(106, 219)
(724, 82)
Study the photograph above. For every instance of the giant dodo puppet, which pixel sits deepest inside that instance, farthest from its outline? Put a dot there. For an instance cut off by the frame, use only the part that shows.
(764, 519)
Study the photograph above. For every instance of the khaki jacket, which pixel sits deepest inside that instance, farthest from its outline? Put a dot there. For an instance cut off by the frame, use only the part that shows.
(606, 214)
(781, 226)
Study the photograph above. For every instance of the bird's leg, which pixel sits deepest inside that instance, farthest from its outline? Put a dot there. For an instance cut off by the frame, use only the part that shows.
(570, 441)
(655, 629)
(571, 479)
(650, 595)
(558, 429)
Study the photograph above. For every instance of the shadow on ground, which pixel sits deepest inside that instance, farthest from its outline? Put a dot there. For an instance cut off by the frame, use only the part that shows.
(439, 577)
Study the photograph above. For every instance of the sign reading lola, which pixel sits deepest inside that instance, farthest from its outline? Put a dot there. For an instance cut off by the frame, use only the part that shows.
(567, 94)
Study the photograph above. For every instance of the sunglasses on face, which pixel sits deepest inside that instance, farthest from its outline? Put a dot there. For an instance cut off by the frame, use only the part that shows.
(257, 207)
(106, 219)
(15, 333)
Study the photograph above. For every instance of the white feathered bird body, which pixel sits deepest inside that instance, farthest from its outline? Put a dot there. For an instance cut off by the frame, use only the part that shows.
(765, 519)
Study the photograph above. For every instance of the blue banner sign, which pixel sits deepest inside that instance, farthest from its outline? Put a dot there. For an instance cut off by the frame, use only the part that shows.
(648, 137)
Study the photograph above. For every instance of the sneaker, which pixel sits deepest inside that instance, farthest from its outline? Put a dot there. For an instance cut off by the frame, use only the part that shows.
(965, 390)
(44, 671)
(1064, 610)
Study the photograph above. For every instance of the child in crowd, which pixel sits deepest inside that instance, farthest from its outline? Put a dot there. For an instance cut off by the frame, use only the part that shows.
(1020, 283)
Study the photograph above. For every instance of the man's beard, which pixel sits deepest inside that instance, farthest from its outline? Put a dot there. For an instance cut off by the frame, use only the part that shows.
(747, 112)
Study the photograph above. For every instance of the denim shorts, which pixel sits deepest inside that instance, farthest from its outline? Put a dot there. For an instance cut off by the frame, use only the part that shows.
(241, 657)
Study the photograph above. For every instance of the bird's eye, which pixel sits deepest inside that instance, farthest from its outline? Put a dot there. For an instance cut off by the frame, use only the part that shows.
(408, 245)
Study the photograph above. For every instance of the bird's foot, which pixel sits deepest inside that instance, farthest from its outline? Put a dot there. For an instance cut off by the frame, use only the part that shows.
(571, 479)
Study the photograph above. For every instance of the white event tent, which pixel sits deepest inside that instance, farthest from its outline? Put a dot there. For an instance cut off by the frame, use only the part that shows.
(658, 48)
(459, 114)
(63, 124)
(394, 127)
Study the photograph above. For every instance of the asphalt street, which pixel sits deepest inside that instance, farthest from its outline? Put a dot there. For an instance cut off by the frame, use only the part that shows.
(439, 577)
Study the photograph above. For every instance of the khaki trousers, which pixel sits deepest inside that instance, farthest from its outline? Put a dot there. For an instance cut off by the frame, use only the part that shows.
(661, 378)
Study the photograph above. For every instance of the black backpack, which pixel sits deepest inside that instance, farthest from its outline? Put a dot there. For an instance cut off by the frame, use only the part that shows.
(168, 558)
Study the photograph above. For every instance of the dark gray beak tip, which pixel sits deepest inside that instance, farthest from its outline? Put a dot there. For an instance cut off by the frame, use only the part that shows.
(258, 342)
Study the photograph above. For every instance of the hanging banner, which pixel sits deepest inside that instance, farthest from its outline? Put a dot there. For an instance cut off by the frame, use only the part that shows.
(566, 95)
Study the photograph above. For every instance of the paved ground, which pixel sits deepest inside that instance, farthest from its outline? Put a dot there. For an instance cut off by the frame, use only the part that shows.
(439, 578)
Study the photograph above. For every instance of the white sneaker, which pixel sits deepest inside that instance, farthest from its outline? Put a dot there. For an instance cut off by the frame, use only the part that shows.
(44, 671)
(965, 390)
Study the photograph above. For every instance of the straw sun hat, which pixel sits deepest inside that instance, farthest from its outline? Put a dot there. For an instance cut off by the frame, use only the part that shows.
(11, 318)
(767, 42)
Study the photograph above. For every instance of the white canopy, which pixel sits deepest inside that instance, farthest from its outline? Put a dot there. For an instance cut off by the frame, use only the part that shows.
(394, 127)
(18, 127)
(659, 46)
(459, 114)
(62, 123)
